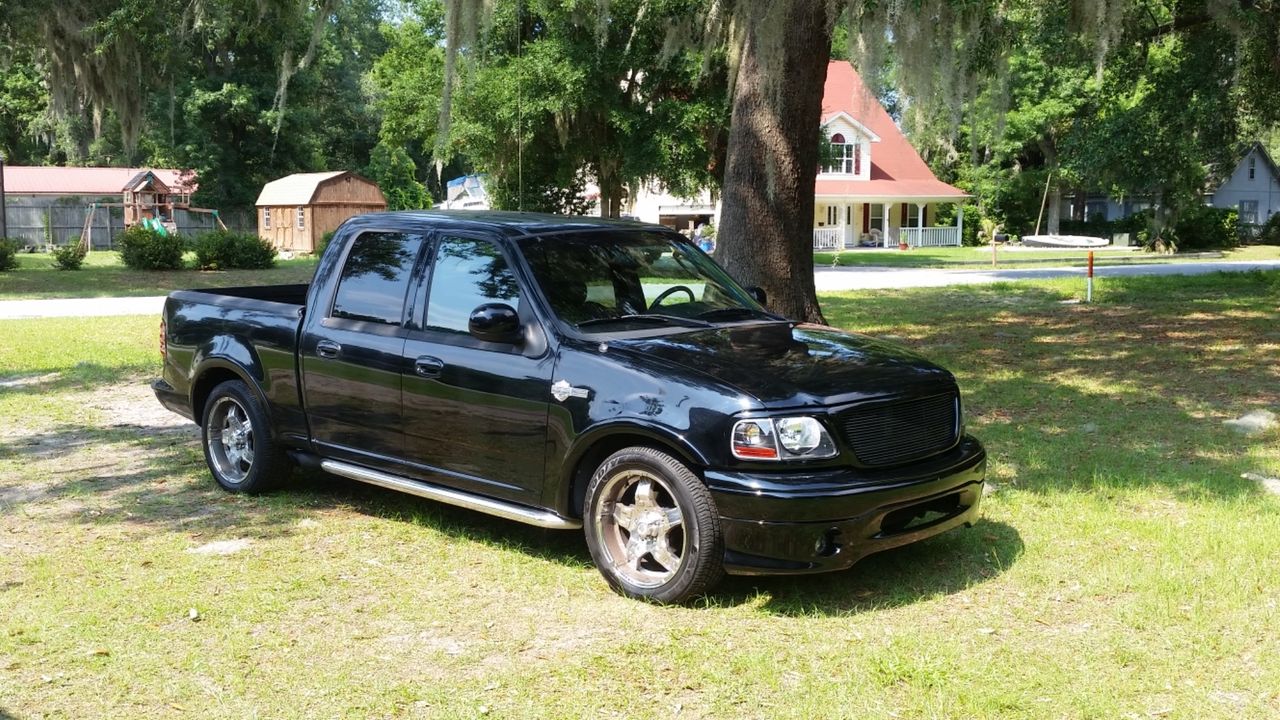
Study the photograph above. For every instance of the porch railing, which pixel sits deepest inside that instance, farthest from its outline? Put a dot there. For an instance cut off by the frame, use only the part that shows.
(828, 238)
(929, 236)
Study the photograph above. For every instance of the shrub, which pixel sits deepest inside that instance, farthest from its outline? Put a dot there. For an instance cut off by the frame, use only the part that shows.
(8, 255)
(69, 257)
(972, 222)
(228, 250)
(145, 249)
(1204, 227)
(1269, 232)
(324, 243)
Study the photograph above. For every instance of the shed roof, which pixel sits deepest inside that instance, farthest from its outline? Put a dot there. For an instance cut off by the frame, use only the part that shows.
(896, 167)
(50, 180)
(296, 189)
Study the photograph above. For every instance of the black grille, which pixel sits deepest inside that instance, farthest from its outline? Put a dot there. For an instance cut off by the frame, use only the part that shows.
(892, 433)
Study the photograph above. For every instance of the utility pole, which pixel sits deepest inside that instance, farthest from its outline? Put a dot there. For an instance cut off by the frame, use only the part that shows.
(4, 224)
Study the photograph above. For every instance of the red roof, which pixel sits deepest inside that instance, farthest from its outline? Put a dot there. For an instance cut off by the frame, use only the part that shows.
(29, 180)
(896, 168)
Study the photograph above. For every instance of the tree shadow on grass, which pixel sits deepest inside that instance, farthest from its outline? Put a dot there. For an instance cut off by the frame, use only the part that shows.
(6, 715)
(1130, 392)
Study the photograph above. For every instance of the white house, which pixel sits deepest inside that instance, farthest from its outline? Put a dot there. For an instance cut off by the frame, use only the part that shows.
(1253, 188)
(877, 191)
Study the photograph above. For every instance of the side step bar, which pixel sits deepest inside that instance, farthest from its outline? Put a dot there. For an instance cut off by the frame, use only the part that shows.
(510, 511)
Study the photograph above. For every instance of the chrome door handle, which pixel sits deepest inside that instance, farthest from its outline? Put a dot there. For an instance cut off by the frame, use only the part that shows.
(328, 349)
(428, 367)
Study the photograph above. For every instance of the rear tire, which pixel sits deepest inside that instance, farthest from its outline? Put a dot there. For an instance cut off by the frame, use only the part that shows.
(238, 446)
(652, 527)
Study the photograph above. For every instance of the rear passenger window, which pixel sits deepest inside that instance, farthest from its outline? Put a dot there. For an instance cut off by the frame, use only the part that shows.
(376, 277)
(468, 273)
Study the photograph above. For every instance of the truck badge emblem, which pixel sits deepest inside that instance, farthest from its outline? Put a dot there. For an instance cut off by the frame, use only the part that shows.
(561, 390)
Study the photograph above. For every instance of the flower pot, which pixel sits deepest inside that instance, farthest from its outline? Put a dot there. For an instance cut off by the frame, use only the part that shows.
(902, 246)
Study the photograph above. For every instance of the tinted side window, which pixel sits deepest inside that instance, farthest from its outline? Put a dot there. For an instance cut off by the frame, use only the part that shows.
(468, 273)
(376, 277)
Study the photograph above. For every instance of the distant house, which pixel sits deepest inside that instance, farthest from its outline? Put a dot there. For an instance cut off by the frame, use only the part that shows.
(1253, 188)
(296, 211)
(51, 204)
(876, 191)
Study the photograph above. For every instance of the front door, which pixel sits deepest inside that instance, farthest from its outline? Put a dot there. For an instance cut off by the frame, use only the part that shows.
(475, 413)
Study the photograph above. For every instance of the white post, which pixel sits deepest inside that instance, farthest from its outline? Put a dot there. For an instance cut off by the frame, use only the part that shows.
(959, 224)
(920, 222)
(884, 220)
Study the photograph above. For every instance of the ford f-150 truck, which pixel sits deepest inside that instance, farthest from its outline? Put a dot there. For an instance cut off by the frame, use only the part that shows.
(577, 373)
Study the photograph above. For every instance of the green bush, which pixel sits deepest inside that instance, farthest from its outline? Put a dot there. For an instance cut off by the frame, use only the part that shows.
(324, 243)
(145, 249)
(1202, 227)
(972, 222)
(69, 257)
(8, 255)
(1269, 232)
(228, 250)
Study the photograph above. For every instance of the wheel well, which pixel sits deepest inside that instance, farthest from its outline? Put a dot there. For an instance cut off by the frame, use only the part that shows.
(603, 448)
(205, 385)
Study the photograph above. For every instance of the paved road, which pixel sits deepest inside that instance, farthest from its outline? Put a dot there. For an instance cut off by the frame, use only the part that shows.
(877, 278)
(828, 279)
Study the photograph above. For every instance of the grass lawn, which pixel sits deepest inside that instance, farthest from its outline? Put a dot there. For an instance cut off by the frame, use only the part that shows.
(103, 275)
(960, 257)
(1123, 568)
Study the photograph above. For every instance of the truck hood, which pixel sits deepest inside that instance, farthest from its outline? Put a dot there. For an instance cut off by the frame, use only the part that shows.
(802, 366)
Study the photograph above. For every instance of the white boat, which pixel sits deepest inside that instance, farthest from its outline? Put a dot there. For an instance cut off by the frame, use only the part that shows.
(1064, 241)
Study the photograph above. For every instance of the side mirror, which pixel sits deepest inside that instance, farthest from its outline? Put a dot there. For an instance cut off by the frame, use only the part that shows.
(496, 323)
(757, 293)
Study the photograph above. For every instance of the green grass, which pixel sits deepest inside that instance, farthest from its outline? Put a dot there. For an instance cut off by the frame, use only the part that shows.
(104, 275)
(1122, 568)
(962, 257)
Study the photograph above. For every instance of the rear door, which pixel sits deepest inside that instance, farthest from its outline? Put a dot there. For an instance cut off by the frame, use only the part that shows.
(351, 355)
(475, 413)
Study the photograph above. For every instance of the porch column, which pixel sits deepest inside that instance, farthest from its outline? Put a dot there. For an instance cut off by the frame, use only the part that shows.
(884, 220)
(959, 224)
(920, 224)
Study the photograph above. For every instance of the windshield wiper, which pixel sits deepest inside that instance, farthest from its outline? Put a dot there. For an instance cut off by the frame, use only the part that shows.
(658, 318)
(731, 313)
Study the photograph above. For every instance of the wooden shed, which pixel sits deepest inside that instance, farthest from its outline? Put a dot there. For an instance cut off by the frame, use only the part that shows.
(295, 211)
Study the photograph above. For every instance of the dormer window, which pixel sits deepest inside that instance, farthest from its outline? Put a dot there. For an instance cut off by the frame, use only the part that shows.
(1253, 167)
(846, 156)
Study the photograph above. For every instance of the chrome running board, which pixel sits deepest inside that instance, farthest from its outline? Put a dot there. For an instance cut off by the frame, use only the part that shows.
(529, 516)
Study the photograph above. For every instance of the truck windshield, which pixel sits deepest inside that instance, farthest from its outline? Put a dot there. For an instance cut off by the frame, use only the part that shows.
(628, 280)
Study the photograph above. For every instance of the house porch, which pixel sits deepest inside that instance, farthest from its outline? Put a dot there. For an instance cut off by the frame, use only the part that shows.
(841, 223)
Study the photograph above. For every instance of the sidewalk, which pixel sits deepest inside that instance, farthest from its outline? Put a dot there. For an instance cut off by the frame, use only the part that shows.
(81, 307)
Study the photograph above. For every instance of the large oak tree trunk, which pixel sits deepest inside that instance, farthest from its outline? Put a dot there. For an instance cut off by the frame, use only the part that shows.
(766, 223)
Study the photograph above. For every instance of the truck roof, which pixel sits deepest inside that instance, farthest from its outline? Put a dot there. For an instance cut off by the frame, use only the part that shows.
(510, 224)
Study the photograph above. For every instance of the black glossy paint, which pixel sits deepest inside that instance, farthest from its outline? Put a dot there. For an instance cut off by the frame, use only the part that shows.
(477, 414)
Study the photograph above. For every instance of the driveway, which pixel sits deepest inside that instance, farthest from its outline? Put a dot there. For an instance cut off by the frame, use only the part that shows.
(878, 278)
(81, 307)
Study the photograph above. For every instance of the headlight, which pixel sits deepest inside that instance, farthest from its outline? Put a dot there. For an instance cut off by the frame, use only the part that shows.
(781, 438)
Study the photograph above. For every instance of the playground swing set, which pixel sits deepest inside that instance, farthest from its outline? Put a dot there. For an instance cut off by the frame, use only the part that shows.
(148, 202)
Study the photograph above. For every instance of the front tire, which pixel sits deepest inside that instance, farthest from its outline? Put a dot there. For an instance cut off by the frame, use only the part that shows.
(238, 446)
(652, 527)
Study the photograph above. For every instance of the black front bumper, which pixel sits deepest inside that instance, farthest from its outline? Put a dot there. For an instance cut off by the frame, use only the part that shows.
(791, 523)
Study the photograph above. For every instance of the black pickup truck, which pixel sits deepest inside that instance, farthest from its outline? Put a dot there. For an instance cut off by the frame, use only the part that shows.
(577, 373)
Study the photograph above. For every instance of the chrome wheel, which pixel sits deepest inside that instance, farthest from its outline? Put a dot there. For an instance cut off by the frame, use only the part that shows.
(230, 439)
(641, 527)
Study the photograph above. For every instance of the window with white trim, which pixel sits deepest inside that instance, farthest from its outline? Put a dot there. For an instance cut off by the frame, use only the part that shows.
(1248, 212)
(302, 219)
(832, 218)
(1253, 167)
(846, 157)
(266, 218)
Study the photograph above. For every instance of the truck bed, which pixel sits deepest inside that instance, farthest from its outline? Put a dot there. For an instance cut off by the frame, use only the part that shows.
(295, 295)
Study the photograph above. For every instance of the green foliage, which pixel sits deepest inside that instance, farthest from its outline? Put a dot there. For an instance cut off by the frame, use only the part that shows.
(323, 245)
(229, 250)
(1269, 233)
(395, 173)
(1203, 228)
(145, 249)
(70, 257)
(972, 221)
(8, 255)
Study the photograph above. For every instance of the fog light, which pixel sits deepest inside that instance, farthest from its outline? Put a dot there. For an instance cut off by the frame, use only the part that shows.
(827, 544)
